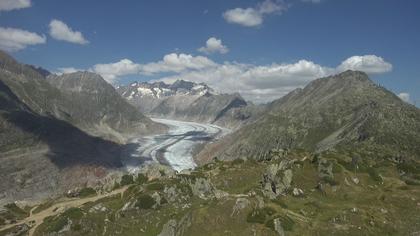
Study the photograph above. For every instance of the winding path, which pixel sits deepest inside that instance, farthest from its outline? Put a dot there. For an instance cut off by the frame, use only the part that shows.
(35, 219)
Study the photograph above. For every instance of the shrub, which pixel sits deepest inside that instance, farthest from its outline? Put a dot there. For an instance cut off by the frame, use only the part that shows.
(286, 222)
(256, 216)
(280, 203)
(126, 180)
(330, 180)
(155, 186)
(73, 213)
(237, 161)
(260, 215)
(14, 209)
(76, 227)
(145, 201)
(141, 178)
(85, 192)
(55, 224)
(373, 173)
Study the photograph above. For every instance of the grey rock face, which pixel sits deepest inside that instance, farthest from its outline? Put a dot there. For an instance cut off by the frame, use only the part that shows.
(277, 179)
(241, 204)
(49, 132)
(278, 228)
(176, 228)
(325, 169)
(346, 112)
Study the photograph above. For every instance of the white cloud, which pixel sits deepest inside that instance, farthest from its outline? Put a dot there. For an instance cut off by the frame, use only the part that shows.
(404, 96)
(12, 39)
(177, 63)
(246, 17)
(251, 17)
(312, 1)
(8, 5)
(171, 63)
(66, 70)
(110, 72)
(258, 83)
(60, 31)
(370, 64)
(214, 45)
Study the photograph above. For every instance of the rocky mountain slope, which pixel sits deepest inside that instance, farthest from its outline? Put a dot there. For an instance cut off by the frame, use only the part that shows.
(189, 101)
(97, 107)
(290, 193)
(346, 111)
(45, 138)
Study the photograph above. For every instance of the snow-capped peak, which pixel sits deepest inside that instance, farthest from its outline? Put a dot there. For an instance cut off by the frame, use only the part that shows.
(162, 90)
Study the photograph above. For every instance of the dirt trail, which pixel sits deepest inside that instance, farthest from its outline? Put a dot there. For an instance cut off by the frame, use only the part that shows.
(37, 218)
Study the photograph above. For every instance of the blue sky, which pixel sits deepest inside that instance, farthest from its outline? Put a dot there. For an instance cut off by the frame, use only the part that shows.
(261, 48)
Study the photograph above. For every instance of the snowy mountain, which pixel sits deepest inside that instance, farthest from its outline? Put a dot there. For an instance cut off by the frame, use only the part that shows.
(159, 90)
(185, 100)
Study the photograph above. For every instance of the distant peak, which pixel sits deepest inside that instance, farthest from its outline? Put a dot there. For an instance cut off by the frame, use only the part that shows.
(353, 73)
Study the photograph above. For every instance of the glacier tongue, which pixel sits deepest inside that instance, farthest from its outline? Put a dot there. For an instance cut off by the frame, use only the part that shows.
(176, 147)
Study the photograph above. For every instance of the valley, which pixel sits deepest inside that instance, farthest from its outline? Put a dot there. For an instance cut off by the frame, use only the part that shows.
(175, 148)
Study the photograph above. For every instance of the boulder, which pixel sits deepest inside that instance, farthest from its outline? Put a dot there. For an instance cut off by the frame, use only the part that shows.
(277, 179)
(241, 203)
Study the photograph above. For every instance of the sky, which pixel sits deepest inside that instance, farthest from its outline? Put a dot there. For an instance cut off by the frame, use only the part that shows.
(262, 49)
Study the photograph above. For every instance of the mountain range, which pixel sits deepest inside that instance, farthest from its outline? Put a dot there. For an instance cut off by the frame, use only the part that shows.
(346, 112)
(340, 156)
(185, 100)
(55, 126)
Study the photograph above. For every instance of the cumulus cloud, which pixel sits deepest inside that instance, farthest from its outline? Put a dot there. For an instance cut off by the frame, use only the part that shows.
(177, 63)
(171, 63)
(312, 1)
(60, 31)
(8, 5)
(254, 16)
(370, 64)
(111, 71)
(214, 45)
(66, 70)
(258, 83)
(12, 39)
(404, 96)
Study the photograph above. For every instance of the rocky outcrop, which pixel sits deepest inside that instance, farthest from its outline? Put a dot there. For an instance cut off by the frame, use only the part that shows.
(278, 228)
(176, 228)
(277, 179)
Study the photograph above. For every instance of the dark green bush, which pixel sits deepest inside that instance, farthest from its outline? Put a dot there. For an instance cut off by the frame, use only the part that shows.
(17, 211)
(141, 178)
(76, 227)
(237, 161)
(330, 180)
(155, 186)
(145, 201)
(256, 216)
(280, 203)
(373, 173)
(260, 215)
(126, 180)
(86, 192)
(55, 224)
(73, 213)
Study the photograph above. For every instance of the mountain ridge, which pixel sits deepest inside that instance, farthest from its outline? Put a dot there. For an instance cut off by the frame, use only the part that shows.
(346, 111)
(185, 100)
